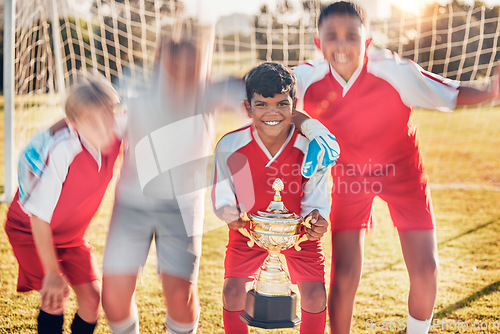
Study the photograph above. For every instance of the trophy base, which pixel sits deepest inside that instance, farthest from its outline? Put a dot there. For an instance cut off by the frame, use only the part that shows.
(270, 311)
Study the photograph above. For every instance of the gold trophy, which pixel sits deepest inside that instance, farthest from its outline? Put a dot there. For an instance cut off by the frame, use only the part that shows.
(272, 304)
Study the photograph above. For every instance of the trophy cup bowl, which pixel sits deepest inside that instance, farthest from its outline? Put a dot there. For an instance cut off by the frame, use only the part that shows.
(275, 232)
(272, 304)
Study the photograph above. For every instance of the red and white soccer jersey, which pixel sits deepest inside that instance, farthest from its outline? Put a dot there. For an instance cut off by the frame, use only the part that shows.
(243, 174)
(66, 194)
(370, 117)
(69, 191)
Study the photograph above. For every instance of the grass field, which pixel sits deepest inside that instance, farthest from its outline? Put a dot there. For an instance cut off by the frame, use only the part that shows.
(468, 236)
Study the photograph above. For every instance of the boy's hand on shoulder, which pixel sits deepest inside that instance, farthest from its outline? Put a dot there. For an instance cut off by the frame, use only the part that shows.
(319, 226)
(53, 293)
(232, 217)
(323, 150)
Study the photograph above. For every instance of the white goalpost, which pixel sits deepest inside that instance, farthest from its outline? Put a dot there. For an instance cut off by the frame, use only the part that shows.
(8, 93)
(46, 43)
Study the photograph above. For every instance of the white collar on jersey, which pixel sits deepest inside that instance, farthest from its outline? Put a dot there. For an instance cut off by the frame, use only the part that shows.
(94, 152)
(264, 148)
(346, 85)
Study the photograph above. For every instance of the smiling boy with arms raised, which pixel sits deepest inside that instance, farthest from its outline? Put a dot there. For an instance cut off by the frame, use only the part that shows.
(247, 161)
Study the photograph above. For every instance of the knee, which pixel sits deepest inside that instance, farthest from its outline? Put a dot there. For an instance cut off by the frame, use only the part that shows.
(118, 296)
(107, 299)
(234, 296)
(427, 270)
(88, 305)
(313, 298)
(116, 306)
(183, 295)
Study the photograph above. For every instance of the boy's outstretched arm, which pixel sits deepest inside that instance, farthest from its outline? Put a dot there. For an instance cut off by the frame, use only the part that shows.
(319, 225)
(54, 289)
(323, 150)
(468, 95)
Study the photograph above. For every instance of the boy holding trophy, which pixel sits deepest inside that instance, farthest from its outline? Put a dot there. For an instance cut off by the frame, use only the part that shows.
(247, 162)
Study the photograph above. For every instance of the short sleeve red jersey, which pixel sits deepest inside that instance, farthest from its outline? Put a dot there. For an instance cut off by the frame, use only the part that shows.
(370, 114)
(244, 172)
(78, 197)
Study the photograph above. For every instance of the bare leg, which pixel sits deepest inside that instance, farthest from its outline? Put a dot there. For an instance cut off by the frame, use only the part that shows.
(312, 296)
(181, 298)
(233, 300)
(234, 293)
(118, 296)
(421, 257)
(88, 297)
(347, 261)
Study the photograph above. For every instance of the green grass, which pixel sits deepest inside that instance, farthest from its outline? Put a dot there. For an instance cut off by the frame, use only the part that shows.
(461, 147)
(468, 236)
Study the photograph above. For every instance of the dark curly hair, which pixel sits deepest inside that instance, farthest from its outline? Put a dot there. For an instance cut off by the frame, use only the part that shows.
(269, 79)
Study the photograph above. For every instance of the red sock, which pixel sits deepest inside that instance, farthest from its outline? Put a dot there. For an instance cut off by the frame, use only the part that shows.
(233, 323)
(313, 323)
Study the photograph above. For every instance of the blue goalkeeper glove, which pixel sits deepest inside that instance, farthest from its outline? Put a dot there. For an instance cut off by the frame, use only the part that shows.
(323, 150)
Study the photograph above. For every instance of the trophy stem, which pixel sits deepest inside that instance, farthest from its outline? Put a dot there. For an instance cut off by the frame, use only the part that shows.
(273, 279)
(272, 304)
(273, 261)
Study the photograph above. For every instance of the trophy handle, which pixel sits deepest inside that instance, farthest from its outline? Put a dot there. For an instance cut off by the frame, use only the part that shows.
(306, 222)
(303, 237)
(245, 232)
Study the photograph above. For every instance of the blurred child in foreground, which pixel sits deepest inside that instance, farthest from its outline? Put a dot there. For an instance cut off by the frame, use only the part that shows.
(63, 175)
(160, 192)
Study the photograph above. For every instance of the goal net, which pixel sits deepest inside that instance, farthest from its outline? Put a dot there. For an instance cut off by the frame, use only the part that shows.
(54, 39)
